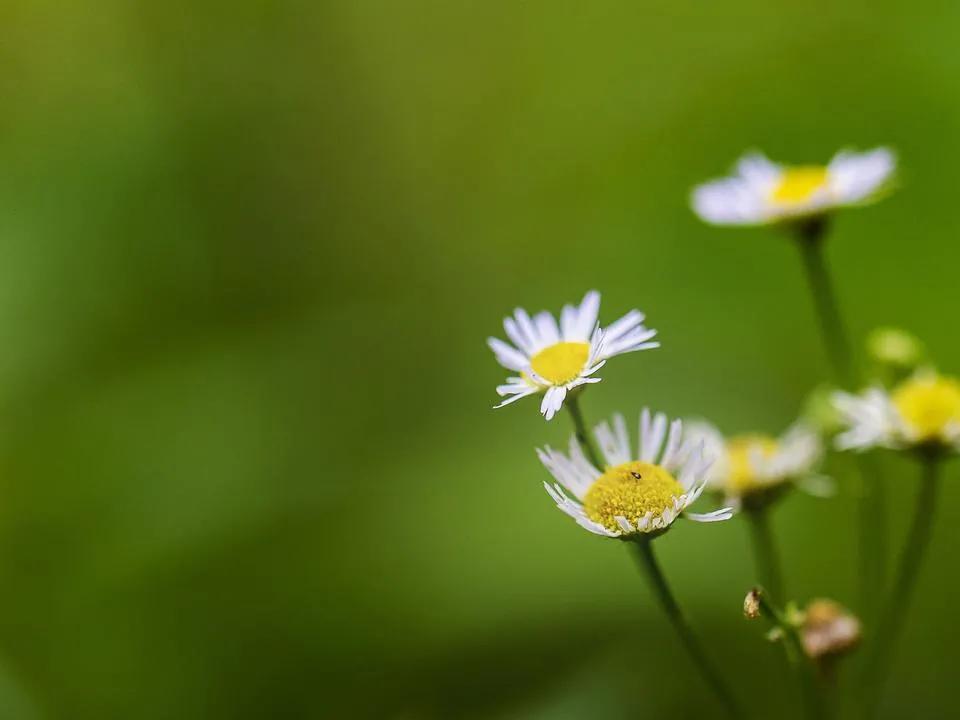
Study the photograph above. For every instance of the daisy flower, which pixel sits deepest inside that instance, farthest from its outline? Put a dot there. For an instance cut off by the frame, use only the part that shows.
(633, 494)
(756, 468)
(554, 359)
(922, 411)
(762, 192)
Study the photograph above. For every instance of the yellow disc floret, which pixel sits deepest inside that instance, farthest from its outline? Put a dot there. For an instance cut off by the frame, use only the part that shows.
(928, 406)
(630, 490)
(799, 184)
(562, 362)
(742, 452)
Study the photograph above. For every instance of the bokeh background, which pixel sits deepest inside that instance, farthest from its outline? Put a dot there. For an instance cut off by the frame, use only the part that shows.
(249, 255)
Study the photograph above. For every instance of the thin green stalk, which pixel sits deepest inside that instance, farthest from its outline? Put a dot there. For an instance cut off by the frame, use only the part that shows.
(765, 552)
(710, 675)
(873, 538)
(872, 516)
(814, 706)
(810, 240)
(898, 604)
(580, 429)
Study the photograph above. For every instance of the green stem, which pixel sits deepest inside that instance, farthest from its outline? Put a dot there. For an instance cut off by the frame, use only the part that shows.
(896, 610)
(580, 428)
(765, 552)
(810, 240)
(710, 675)
(872, 519)
(813, 703)
(872, 511)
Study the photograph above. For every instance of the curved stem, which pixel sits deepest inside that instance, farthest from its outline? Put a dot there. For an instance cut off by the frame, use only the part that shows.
(580, 429)
(896, 610)
(710, 675)
(813, 703)
(810, 241)
(873, 540)
(765, 552)
(872, 520)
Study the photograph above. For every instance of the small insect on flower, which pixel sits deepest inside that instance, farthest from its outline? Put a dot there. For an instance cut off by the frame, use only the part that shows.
(632, 494)
(762, 192)
(921, 412)
(554, 359)
(755, 469)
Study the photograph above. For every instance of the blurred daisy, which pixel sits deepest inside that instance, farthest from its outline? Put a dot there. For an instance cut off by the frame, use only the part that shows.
(762, 192)
(923, 411)
(633, 494)
(554, 359)
(755, 468)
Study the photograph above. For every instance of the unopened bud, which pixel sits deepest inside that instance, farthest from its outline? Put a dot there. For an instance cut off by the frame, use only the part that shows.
(820, 412)
(751, 605)
(829, 630)
(895, 348)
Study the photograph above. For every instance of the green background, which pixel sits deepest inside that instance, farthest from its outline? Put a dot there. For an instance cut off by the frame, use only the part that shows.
(249, 255)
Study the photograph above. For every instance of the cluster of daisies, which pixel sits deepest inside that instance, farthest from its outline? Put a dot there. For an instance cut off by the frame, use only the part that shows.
(630, 489)
(633, 484)
(642, 487)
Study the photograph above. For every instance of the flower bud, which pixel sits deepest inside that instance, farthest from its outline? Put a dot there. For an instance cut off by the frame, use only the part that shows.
(751, 605)
(828, 630)
(820, 412)
(895, 351)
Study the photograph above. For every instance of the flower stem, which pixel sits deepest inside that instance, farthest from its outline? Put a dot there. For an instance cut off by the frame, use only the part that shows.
(872, 521)
(765, 552)
(710, 675)
(810, 240)
(813, 702)
(896, 610)
(580, 428)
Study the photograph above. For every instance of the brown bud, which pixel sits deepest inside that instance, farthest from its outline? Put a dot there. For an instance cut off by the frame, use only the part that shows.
(751, 605)
(829, 630)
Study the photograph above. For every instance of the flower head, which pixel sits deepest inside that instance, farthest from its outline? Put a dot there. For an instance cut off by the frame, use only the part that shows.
(756, 467)
(762, 192)
(828, 630)
(922, 411)
(553, 359)
(634, 493)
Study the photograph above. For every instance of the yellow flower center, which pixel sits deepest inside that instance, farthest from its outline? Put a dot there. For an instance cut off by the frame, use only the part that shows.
(630, 490)
(798, 184)
(927, 405)
(562, 362)
(741, 452)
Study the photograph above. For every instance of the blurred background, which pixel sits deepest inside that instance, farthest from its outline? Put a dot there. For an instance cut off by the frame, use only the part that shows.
(249, 256)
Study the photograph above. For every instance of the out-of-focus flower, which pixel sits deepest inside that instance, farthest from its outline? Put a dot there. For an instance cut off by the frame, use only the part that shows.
(554, 359)
(828, 630)
(635, 493)
(923, 411)
(895, 353)
(762, 192)
(755, 468)
(820, 413)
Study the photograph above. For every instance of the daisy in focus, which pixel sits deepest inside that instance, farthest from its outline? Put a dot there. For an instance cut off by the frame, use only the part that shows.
(552, 359)
(752, 470)
(921, 412)
(634, 494)
(762, 192)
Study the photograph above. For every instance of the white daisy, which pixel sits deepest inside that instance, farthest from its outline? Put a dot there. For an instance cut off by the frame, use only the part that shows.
(554, 359)
(921, 411)
(631, 496)
(763, 192)
(751, 467)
